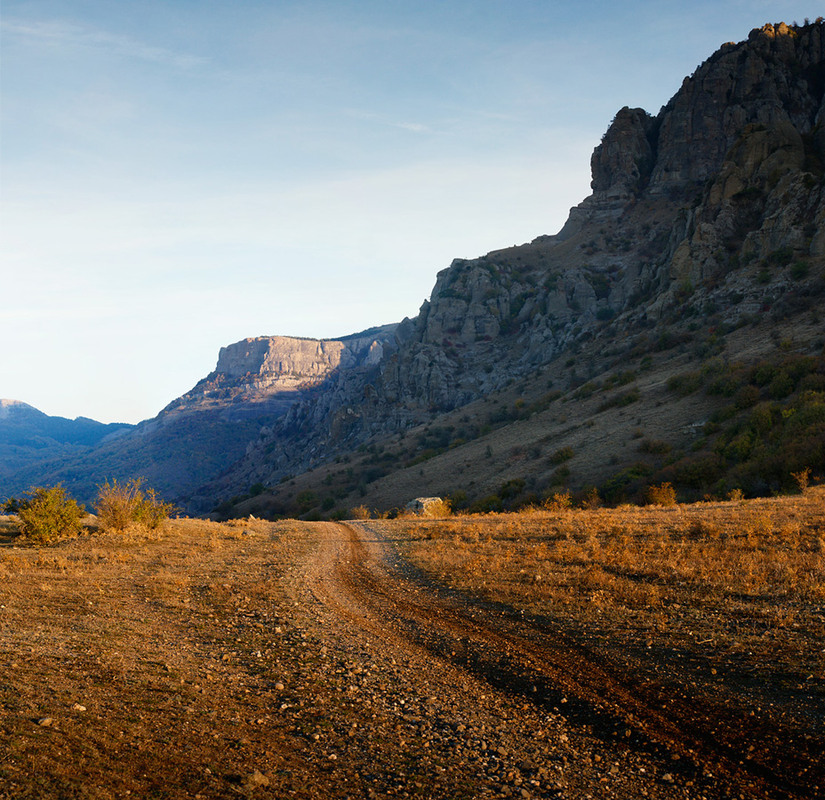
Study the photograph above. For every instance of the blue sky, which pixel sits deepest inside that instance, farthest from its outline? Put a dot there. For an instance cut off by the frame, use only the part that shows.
(177, 176)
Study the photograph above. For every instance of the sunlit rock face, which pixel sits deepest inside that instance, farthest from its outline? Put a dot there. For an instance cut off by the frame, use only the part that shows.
(275, 370)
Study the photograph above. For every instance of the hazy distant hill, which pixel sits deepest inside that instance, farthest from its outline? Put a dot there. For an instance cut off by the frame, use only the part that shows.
(28, 436)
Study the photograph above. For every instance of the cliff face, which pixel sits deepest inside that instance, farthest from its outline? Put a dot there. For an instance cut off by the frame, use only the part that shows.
(700, 206)
(199, 435)
(268, 374)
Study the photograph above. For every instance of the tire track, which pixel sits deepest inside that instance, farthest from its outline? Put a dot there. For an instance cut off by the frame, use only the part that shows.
(356, 579)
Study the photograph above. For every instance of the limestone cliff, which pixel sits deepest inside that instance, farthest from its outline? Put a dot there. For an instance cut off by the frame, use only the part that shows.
(275, 371)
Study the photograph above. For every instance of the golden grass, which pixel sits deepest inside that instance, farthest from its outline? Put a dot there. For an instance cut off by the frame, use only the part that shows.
(768, 554)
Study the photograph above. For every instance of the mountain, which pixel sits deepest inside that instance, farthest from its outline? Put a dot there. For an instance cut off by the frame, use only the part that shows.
(704, 237)
(29, 436)
(197, 436)
(670, 331)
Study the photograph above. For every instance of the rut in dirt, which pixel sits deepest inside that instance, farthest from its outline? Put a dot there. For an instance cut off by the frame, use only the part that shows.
(554, 673)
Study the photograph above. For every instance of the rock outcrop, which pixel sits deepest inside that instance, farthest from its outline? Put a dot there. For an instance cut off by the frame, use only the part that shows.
(273, 372)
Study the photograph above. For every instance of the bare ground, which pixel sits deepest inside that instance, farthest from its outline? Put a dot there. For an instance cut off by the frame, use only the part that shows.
(323, 660)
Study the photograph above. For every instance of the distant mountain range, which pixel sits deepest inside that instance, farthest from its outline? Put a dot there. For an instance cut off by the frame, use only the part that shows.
(29, 437)
(670, 331)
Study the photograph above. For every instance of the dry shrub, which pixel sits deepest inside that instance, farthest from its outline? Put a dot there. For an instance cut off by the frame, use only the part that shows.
(359, 512)
(802, 478)
(591, 500)
(560, 501)
(662, 495)
(49, 514)
(119, 505)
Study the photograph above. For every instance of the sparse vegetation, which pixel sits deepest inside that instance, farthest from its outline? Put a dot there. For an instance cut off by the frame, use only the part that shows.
(120, 505)
(47, 514)
(662, 495)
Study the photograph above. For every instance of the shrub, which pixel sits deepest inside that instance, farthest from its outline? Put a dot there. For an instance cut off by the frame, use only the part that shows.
(562, 455)
(621, 400)
(662, 495)
(359, 512)
(48, 514)
(560, 501)
(686, 383)
(152, 512)
(802, 478)
(118, 505)
(489, 503)
(591, 498)
(746, 397)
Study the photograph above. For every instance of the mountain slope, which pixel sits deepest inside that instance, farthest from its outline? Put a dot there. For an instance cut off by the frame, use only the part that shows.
(196, 437)
(703, 219)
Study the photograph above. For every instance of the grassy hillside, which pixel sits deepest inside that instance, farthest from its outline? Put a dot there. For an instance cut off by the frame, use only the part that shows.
(709, 410)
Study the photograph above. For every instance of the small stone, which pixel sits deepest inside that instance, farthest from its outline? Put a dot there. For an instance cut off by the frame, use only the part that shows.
(257, 778)
(45, 722)
(78, 707)
(279, 687)
(667, 777)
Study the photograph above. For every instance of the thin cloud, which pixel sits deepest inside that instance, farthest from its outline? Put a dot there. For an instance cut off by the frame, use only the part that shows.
(59, 33)
(415, 127)
(368, 116)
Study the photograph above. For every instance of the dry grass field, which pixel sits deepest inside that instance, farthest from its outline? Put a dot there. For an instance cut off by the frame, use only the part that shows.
(673, 652)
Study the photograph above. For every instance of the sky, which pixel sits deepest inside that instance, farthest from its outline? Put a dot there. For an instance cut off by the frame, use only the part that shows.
(178, 175)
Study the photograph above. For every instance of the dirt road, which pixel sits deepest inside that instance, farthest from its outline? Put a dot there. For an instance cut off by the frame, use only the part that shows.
(307, 660)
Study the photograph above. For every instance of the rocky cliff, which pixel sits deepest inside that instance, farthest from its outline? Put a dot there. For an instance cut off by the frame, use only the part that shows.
(713, 206)
(273, 372)
(196, 437)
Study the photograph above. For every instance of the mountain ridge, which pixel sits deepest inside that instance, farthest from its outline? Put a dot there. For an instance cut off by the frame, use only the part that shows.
(696, 210)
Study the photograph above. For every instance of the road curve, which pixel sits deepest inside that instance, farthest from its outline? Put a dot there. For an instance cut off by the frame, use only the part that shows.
(358, 575)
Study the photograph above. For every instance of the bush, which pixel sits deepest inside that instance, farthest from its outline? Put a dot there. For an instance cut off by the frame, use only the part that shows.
(48, 514)
(359, 512)
(662, 495)
(562, 455)
(560, 501)
(152, 512)
(119, 505)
